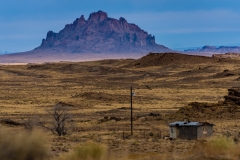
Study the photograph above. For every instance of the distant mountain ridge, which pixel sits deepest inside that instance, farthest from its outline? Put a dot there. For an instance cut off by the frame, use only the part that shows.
(213, 49)
(101, 34)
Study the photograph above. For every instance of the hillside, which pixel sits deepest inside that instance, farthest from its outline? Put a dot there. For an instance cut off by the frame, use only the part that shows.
(159, 59)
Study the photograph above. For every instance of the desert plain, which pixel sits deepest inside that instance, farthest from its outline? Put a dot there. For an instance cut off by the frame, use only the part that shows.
(97, 95)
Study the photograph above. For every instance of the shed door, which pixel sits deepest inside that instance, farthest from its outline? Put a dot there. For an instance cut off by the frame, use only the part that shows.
(204, 130)
(173, 132)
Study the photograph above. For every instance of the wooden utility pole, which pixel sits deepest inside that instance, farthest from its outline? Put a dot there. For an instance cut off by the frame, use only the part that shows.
(131, 112)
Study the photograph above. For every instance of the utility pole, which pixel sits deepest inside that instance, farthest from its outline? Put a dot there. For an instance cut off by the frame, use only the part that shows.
(131, 112)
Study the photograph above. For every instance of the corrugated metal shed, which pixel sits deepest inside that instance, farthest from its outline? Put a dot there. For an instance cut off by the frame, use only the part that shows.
(188, 123)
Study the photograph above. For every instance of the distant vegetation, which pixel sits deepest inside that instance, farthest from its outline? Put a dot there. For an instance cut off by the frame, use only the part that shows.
(25, 146)
(216, 148)
(88, 151)
(22, 146)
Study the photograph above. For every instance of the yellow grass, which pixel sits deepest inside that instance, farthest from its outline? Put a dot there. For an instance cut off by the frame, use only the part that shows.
(100, 89)
(88, 151)
(22, 146)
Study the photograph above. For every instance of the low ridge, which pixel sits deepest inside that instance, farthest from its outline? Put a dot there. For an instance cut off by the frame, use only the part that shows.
(157, 59)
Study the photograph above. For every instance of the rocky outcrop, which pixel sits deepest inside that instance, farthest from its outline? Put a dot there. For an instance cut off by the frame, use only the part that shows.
(226, 55)
(101, 34)
(227, 109)
(233, 96)
(213, 49)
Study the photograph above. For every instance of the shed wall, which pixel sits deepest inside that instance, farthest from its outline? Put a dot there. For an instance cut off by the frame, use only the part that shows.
(204, 131)
(189, 132)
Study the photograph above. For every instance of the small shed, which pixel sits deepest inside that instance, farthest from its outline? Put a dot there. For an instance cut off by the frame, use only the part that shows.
(190, 130)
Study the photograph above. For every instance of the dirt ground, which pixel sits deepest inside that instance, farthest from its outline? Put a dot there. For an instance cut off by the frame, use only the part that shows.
(98, 94)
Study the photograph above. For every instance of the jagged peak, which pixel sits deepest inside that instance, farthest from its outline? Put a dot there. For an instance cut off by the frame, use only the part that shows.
(121, 19)
(151, 39)
(79, 20)
(100, 16)
(82, 17)
(50, 33)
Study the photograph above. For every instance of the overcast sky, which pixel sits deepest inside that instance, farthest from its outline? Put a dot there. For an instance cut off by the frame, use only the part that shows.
(174, 23)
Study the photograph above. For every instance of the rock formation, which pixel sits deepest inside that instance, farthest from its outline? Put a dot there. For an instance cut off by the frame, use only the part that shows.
(226, 55)
(227, 109)
(233, 96)
(101, 34)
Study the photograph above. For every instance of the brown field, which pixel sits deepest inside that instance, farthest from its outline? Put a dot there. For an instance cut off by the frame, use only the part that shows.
(93, 90)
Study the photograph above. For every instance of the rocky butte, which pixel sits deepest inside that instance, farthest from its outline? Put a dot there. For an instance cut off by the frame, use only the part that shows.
(101, 34)
(98, 37)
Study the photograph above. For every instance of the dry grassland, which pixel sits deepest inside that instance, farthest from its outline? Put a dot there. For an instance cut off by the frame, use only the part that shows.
(94, 90)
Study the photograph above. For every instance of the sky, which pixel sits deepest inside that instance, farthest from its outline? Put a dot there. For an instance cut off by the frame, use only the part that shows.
(177, 24)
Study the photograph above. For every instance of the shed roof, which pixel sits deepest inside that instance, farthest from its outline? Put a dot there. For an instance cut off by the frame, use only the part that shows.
(188, 123)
